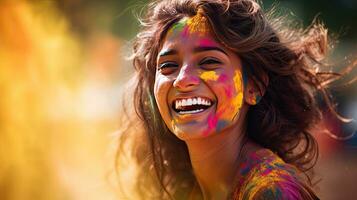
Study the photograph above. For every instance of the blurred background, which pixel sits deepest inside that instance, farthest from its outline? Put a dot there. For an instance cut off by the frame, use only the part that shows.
(62, 73)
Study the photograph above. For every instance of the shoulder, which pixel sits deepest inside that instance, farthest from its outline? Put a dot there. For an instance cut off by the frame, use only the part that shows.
(265, 176)
(280, 190)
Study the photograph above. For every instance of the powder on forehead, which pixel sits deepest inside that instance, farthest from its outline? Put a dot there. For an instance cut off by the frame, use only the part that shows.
(193, 25)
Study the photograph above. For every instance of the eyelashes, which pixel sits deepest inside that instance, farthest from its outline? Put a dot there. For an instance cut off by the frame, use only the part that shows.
(167, 65)
(167, 68)
(210, 61)
(207, 63)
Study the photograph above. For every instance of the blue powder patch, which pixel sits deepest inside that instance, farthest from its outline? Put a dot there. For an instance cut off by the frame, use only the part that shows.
(191, 122)
(221, 124)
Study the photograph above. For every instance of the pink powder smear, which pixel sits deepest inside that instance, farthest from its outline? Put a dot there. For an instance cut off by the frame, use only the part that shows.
(206, 43)
(212, 123)
(222, 78)
(194, 79)
(185, 32)
(229, 91)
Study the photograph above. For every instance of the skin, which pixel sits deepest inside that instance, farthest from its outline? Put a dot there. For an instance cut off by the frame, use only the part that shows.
(192, 63)
(199, 66)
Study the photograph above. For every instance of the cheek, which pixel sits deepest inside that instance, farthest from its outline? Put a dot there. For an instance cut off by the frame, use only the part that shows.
(231, 95)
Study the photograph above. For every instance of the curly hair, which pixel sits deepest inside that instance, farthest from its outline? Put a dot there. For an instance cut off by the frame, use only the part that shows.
(268, 45)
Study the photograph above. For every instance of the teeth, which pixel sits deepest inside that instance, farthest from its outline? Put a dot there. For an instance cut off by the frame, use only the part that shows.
(192, 101)
(191, 111)
(189, 102)
(184, 102)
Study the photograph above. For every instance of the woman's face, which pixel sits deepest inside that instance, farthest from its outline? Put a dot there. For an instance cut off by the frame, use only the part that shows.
(198, 83)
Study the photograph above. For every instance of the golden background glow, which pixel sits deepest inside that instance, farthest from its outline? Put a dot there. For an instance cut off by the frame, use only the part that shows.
(56, 120)
(62, 69)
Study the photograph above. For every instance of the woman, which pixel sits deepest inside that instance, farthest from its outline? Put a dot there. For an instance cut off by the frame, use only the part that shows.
(225, 97)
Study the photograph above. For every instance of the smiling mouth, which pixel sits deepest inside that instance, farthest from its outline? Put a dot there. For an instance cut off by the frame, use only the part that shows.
(191, 105)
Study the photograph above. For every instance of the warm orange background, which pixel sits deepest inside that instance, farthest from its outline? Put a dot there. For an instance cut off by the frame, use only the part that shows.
(62, 71)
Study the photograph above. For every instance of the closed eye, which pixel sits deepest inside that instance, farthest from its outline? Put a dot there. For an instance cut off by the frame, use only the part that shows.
(167, 67)
(210, 63)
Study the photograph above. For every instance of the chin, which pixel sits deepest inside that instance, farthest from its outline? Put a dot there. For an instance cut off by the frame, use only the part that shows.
(190, 133)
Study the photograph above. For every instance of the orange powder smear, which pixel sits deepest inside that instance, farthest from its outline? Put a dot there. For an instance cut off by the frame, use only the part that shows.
(198, 24)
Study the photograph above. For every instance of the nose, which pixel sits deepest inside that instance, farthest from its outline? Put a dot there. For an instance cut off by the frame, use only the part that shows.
(186, 80)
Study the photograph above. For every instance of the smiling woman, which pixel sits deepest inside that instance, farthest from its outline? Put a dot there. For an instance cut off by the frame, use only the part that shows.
(225, 97)
(198, 84)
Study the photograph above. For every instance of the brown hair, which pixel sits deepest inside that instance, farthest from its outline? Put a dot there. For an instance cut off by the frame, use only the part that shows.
(267, 45)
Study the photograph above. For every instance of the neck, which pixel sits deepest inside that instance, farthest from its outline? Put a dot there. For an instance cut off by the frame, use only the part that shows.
(215, 161)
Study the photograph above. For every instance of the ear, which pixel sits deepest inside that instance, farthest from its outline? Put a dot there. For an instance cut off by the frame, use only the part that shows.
(255, 89)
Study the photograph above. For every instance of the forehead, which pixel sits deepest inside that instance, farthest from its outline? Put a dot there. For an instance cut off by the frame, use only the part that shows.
(197, 25)
(193, 31)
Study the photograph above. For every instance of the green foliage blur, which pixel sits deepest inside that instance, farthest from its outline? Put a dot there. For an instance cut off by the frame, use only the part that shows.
(119, 16)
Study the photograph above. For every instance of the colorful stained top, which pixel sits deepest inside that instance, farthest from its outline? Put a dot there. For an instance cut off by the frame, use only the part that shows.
(264, 176)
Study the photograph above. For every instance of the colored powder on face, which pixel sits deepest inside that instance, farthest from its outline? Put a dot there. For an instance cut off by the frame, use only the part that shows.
(194, 79)
(198, 24)
(222, 78)
(185, 32)
(238, 100)
(177, 27)
(229, 92)
(212, 123)
(233, 97)
(206, 42)
(209, 76)
(221, 124)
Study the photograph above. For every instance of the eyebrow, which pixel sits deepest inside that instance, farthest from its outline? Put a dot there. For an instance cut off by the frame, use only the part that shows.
(196, 50)
(168, 52)
(209, 48)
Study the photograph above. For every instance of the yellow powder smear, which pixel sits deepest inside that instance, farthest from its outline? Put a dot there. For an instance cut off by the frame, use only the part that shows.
(237, 101)
(209, 76)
